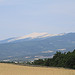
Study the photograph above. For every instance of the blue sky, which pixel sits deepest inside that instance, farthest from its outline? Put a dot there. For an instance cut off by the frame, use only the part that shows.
(21, 17)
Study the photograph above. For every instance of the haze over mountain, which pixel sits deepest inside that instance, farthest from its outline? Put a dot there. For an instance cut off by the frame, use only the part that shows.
(35, 46)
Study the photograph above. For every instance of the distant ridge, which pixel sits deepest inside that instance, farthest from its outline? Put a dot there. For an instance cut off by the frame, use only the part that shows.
(30, 37)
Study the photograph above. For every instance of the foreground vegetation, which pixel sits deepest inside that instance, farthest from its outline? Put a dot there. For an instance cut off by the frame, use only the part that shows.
(66, 60)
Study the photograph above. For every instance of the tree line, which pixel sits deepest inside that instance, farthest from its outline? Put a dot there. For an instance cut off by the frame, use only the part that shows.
(66, 60)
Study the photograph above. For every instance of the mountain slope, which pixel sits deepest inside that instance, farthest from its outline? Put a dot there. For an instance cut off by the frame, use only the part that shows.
(33, 49)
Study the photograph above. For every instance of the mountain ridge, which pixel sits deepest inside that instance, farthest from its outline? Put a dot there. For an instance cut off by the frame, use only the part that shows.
(35, 49)
(30, 37)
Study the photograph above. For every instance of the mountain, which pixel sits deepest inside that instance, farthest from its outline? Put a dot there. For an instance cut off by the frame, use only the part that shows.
(33, 36)
(36, 45)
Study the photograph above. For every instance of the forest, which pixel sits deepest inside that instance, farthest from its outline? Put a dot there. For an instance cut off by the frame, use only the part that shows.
(66, 60)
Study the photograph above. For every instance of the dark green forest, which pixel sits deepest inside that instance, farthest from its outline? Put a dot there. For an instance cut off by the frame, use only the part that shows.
(66, 60)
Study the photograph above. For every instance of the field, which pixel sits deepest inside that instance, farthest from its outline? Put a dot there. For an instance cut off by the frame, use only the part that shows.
(10, 69)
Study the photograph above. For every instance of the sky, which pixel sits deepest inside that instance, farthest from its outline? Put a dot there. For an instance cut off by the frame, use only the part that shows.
(22, 17)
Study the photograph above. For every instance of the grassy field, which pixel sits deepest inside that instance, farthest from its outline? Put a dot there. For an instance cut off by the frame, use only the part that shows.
(10, 69)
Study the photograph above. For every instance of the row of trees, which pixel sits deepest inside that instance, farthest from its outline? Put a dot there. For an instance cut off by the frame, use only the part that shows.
(59, 59)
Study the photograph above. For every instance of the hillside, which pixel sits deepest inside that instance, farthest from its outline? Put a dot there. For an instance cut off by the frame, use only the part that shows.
(9, 69)
(25, 49)
(66, 60)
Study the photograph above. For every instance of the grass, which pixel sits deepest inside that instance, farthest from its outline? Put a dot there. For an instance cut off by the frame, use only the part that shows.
(11, 69)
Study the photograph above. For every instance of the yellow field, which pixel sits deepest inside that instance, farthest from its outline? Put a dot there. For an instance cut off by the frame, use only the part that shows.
(9, 69)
